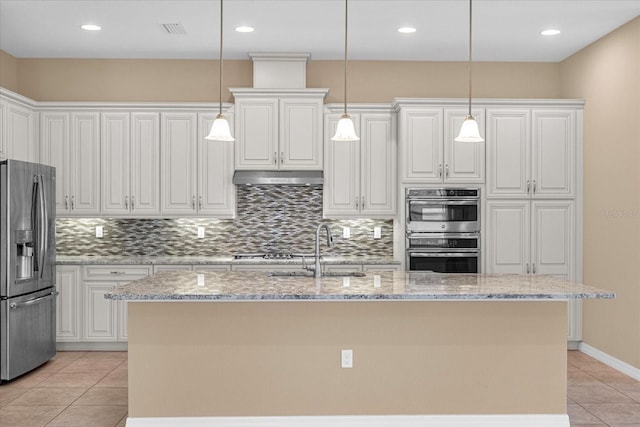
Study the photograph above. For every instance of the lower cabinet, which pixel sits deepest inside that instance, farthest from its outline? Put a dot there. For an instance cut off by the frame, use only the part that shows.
(69, 307)
(105, 320)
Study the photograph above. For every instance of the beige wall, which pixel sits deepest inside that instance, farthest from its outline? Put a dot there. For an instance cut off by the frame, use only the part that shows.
(8, 71)
(607, 75)
(265, 358)
(369, 81)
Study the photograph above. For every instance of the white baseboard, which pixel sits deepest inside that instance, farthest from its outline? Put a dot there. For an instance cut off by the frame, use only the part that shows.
(559, 420)
(611, 361)
(91, 346)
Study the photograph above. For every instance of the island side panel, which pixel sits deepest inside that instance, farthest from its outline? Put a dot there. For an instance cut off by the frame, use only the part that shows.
(190, 359)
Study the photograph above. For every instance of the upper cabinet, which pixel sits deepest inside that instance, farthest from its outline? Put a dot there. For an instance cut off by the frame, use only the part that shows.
(18, 131)
(360, 176)
(70, 141)
(279, 130)
(131, 163)
(196, 173)
(531, 153)
(428, 151)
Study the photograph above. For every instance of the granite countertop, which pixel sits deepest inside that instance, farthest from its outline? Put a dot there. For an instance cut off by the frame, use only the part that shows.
(401, 285)
(213, 260)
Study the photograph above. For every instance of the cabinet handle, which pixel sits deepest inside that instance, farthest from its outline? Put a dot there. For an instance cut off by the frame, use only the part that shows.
(357, 202)
(440, 170)
(362, 200)
(527, 268)
(200, 202)
(534, 268)
(446, 171)
(193, 203)
(73, 203)
(275, 157)
(66, 202)
(117, 272)
(133, 204)
(126, 202)
(282, 157)
(528, 186)
(534, 186)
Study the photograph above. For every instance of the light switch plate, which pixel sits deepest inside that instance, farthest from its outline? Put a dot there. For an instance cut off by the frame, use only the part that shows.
(377, 232)
(99, 231)
(200, 232)
(346, 232)
(346, 358)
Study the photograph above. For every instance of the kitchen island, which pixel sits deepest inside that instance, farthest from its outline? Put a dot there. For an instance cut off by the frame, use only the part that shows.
(235, 348)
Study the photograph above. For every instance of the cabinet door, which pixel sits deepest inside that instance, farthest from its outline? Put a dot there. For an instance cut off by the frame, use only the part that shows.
(3, 130)
(554, 153)
(508, 237)
(300, 134)
(179, 163)
(508, 153)
(463, 161)
(420, 136)
(341, 172)
(145, 164)
(54, 151)
(99, 312)
(216, 191)
(256, 134)
(68, 314)
(84, 186)
(20, 141)
(115, 163)
(377, 160)
(553, 237)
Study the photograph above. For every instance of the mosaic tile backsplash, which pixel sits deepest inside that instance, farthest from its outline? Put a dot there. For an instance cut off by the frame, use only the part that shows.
(269, 219)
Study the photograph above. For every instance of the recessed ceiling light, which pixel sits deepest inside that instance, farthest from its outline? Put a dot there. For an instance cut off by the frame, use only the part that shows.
(91, 27)
(406, 30)
(550, 32)
(245, 29)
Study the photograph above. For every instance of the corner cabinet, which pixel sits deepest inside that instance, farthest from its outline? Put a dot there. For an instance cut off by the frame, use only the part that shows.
(360, 176)
(70, 141)
(278, 130)
(131, 163)
(18, 130)
(196, 173)
(428, 152)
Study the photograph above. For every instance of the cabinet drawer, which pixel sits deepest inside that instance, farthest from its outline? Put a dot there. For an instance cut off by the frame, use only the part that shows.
(115, 272)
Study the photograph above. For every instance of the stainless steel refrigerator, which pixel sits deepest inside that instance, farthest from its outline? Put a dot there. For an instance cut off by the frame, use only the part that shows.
(27, 267)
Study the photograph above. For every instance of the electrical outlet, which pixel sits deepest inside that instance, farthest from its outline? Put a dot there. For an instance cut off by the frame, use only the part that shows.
(99, 231)
(347, 358)
(376, 281)
(200, 232)
(346, 232)
(200, 279)
(346, 282)
(377, 232)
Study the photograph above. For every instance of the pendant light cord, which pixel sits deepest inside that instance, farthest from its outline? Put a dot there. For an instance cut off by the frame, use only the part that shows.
(470, 57)
(220, 61)
(346, 20)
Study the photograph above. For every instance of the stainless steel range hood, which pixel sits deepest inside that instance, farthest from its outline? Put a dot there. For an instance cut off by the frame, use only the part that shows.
(244, 177)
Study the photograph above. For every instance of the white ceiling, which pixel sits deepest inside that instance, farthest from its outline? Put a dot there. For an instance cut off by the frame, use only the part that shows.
(504, 30)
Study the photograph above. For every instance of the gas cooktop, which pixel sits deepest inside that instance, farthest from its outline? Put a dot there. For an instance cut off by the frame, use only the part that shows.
(272, 255)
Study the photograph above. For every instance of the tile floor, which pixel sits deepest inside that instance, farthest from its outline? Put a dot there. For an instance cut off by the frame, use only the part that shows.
(90, 389)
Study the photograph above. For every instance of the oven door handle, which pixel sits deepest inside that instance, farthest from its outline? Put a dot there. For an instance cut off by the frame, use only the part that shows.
(444, 202)
(443, 255)
(465, 236)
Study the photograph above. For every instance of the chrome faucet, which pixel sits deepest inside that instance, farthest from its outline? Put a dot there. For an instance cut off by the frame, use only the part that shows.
(318, 270)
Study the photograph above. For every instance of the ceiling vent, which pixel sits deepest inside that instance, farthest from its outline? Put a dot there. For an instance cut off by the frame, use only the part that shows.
(174, 28)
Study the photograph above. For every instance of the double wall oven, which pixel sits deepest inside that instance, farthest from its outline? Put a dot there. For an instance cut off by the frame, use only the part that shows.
(443, 229)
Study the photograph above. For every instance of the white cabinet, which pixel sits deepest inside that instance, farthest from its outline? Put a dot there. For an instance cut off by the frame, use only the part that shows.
(18, 132)
(531, 153)
(71, 143)
(531, 237)
(105, 320)
(279, 131)
(428, 151)
(130, 163)
(196, 173)
(68, 304)
(360, 176)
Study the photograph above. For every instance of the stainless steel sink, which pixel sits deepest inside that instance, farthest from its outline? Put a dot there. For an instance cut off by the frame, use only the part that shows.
(309, 273)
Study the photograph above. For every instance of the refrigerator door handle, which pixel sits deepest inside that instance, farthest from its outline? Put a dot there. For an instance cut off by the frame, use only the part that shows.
(39, 223)
(15, 305)
(44, 224)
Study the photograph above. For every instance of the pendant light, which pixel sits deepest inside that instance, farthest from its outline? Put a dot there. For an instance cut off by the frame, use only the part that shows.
(345, 130)
(469, 131)
(220, 130)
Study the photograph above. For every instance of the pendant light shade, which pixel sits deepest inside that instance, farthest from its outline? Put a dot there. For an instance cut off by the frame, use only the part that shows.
(345, 131)
(469, 132)
(220, 130)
